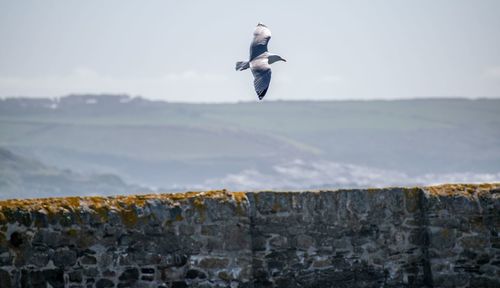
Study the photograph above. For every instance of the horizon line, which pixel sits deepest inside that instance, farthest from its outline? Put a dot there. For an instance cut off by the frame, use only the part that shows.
(152, 99)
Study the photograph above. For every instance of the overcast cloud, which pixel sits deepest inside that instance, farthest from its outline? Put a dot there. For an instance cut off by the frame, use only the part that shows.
(186, 50)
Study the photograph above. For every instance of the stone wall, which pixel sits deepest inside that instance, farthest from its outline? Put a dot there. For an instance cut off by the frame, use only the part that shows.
(443, 236)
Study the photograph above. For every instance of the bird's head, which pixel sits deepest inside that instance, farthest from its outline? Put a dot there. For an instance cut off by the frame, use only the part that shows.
(275, 58)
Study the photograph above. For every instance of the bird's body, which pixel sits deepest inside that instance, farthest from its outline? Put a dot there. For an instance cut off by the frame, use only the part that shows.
(260, 60)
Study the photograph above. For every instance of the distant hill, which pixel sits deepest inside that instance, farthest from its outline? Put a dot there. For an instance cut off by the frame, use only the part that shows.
(22, 177)
(257, 144)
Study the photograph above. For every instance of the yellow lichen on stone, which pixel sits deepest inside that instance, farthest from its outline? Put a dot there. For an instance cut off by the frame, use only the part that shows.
(198, 204)
(72, 202)
(276, 206)
(239, 197)
(466, 190)
(412, 198)
(126, 206)
(128, 201)
(129, 217)
(93, 201)
(72, 232)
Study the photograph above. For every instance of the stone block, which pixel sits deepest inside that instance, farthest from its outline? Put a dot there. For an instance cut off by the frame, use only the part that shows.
(208, 262)
(64, 258)
(104, 283)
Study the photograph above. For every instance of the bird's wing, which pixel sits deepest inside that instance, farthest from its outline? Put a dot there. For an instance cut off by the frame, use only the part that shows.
(261, 37)
(262, 77)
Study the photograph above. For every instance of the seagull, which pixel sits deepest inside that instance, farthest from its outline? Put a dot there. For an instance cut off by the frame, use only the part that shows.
(260, 60)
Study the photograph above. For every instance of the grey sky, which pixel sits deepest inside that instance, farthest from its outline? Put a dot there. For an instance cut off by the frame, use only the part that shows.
(186, 50)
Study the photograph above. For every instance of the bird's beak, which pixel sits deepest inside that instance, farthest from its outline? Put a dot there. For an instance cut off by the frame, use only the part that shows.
(283, 59)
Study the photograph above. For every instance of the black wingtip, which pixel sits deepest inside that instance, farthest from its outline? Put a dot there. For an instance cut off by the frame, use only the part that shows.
(262, 94)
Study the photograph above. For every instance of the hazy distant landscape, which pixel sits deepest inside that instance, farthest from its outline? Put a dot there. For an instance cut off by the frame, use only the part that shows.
(115, 144)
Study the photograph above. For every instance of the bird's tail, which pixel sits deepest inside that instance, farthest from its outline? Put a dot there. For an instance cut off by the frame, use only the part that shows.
(242, 65)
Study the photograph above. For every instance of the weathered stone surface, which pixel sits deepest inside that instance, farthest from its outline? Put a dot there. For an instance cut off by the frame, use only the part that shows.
(104, 283)
(75, 276)
(88, 260)
(213, 263)
(64, 258)
(442, 236)
(5, 278)
(194, 273)
(40, 278)
(129, 275)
